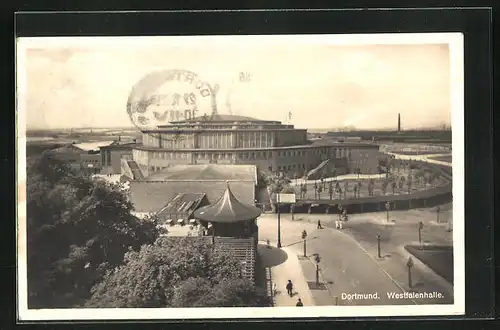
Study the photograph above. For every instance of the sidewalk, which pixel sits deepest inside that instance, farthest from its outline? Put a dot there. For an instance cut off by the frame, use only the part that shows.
(290, 270)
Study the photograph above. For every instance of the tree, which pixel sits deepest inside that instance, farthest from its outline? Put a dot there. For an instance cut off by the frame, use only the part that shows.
(320, 189)
(77, 229)
(371, 185)
(304, 190)
(385, 183)
(183, 272)
(330, 190)
(276, 183)
(409, 183)
(401, 182)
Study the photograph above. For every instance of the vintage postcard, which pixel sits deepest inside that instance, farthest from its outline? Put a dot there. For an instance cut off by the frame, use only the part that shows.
(205, 177)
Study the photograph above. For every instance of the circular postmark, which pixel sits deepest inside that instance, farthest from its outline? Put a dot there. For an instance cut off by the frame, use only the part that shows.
(169, 96)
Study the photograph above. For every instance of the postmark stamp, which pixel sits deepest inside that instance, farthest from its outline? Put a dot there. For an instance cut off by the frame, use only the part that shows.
(168, 96)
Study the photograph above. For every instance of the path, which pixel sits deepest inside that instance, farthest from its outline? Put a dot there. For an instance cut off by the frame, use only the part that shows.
(423, 158)
(285, 266)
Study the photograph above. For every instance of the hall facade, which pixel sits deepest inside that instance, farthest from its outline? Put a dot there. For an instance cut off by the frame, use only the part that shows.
(230, 139)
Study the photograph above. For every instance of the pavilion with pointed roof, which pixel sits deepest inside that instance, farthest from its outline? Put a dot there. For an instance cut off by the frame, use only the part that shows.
(228, 217)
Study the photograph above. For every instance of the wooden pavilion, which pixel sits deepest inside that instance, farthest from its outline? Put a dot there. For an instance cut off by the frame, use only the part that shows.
(228, 217)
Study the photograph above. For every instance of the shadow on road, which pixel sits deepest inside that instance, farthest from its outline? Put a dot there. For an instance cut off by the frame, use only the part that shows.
(301, 241)
(271, 256)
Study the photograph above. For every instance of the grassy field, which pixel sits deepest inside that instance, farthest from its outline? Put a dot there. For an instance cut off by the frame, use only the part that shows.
(438, 258)
(377, 191)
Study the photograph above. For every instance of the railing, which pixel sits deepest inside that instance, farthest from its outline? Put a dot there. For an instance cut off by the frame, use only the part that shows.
(135, 170)
(243, 249)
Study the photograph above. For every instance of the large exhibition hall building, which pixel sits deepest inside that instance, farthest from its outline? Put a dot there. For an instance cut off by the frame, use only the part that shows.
(230, 139)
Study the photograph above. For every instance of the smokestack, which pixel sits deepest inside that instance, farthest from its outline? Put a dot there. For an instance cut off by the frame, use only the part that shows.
(399, 122)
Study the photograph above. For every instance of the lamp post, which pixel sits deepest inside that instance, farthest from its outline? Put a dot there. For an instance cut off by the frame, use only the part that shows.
(420, 226)
(378, 247)
(317, 259)
(437, 213)
(304, 236)
(409, 264)
(279, 219)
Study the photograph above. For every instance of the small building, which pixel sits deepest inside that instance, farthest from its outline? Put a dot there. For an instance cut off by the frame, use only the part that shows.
(112, 155)
(232, 226)
(228, 217)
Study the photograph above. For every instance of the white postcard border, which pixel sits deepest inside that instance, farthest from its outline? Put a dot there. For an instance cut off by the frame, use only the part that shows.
(455, 41)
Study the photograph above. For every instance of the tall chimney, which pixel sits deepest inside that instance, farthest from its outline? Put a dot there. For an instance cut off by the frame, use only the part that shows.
(399, 122)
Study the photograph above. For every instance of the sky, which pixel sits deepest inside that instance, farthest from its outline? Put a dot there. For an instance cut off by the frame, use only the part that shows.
(85, 82)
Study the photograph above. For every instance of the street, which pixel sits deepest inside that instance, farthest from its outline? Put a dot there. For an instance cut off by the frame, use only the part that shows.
(349, 262)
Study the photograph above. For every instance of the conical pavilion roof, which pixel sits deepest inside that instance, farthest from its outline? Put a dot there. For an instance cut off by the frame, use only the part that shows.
(227, 209)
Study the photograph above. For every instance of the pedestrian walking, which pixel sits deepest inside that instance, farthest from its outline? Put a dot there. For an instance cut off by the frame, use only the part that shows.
(289, 288)
(299, 303)
(319, 225)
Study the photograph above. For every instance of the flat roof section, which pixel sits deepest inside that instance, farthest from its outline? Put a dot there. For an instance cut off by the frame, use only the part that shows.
(150, 196)
(205, 172)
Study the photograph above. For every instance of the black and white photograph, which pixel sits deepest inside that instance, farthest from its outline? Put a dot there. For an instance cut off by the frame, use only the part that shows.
(240, 176)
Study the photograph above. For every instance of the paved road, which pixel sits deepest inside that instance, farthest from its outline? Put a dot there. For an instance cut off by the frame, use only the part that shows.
(348, 269)
(349, 260)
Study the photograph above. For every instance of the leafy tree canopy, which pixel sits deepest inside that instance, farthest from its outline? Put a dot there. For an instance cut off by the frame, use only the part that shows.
(183, 272)
(77, 229)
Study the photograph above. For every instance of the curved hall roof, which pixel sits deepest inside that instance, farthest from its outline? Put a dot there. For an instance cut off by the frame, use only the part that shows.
(221, 118)
(228, 209)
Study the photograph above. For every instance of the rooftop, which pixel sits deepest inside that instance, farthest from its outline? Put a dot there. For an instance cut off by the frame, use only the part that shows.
(88, 146)
(182, 203)
(220, 118)
(151, 196)
(206, 172)
(227, 209)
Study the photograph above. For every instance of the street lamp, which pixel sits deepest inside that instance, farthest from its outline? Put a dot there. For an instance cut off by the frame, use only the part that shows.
(317, 259)
(304, 236)
(378, 246)
(409, 264)
(420, 226)
(279, 219)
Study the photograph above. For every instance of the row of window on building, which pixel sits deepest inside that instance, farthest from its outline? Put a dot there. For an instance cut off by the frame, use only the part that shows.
(292, 167)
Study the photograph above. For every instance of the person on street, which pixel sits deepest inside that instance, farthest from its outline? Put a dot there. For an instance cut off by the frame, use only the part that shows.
(319, 225)
(289, 288)
(299, 303)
